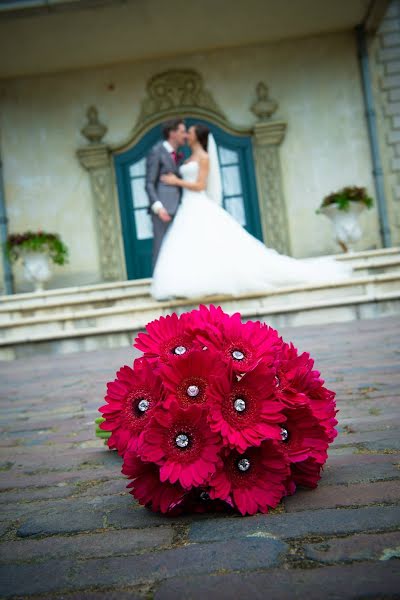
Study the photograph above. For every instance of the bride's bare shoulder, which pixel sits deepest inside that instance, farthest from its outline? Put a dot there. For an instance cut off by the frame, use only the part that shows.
(203, 157)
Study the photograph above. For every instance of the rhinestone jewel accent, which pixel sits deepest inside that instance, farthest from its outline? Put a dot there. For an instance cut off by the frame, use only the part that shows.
(179, 350)
(284, 434)
(193, 391)
(239, 404)
(143, 405)
(204, 496)
(182, 440)
(243, 464)
(238, 355)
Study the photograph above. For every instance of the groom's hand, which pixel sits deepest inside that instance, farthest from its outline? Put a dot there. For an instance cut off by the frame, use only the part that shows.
(164, 216)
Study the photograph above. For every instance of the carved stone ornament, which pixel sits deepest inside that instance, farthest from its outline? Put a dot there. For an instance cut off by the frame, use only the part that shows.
(272, 205)
(264, 107)
(94, 131)
(267, 138)
(96, 159)
(177, 91)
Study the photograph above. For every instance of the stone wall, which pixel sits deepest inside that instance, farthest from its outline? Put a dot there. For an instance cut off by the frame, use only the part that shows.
(315, 81)
(385, 60)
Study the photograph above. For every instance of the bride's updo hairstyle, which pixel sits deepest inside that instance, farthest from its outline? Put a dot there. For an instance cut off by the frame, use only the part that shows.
(202, 133)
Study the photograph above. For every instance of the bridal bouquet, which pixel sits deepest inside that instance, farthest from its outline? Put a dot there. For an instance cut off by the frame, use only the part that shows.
(218, 414)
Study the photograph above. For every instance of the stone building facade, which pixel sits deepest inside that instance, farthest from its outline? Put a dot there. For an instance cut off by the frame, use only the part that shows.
(298, 101)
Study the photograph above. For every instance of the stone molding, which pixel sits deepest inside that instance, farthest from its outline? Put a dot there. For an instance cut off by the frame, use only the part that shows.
(267, 136)
(176, 89)
(177, 93)
(96, 159)
(94, 156)
(271, 133)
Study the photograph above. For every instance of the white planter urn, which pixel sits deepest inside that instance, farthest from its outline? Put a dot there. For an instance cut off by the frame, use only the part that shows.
(346, 223)
(37, 269)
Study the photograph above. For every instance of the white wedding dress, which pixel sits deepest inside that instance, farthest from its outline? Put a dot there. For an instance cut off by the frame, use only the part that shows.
(205, 251)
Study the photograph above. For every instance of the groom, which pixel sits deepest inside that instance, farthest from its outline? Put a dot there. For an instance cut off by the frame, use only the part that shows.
(164, 199)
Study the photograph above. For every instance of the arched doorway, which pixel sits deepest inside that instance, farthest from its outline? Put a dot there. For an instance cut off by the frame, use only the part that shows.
(239, 191)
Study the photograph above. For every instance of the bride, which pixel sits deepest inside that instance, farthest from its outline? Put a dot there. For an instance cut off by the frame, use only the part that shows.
(206, 251)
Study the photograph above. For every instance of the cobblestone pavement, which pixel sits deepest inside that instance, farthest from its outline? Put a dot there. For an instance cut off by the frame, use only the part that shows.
(70, 530)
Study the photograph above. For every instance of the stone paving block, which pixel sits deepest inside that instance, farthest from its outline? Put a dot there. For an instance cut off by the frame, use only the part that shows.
(32, 494)
(380, 581)
(387, 439)
(67, 516)
(362, 474)
(344, 495)
(105, 543)
(109, 594)
(238, 555)
(382, 546)
(345, 457)
(294, 525)
(18, 480)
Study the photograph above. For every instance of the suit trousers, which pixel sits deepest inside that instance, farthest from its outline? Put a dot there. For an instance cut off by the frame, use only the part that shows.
(159, 230)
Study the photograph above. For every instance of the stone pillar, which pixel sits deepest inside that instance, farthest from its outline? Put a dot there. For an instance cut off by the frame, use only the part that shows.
(96, 159)
(267, 137)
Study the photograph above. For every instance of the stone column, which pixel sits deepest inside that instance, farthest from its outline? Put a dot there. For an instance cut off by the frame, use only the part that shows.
(267, 137)
(96, 159)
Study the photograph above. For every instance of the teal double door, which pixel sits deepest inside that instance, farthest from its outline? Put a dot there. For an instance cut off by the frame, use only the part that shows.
(238, 182)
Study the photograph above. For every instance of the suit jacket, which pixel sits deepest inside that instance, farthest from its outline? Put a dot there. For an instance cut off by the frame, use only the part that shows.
(159, 162)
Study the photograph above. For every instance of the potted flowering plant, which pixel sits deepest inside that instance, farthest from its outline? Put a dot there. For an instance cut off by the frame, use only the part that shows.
(37, 249)
(343, 208)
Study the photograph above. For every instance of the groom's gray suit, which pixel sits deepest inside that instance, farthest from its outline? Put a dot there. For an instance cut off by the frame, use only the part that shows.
(159, 162)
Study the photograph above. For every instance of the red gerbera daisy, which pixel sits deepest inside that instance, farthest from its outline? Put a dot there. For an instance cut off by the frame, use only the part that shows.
(303, 437)
(182, 443)
(147, 488)
(131, 399)
(246, 412)
(245, 344)
(166, 337)
(255, 480)
(188, 379)
(306, 473)
(299, 384)
(205, 317)
(292, 375)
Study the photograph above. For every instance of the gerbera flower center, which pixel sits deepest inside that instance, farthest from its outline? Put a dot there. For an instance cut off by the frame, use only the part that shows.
(204, 496)
(182, 440)
(193, 391)
(239, 405)
(243, 464)
(179, 350)
(143, 405)
(237, 354)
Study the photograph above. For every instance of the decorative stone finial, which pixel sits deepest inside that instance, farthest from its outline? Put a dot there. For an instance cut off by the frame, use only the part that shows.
(94, 131)
(263, 107)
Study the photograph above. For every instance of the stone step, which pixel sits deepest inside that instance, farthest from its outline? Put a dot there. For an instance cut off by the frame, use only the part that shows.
(128, 296)
(368, 254)
(362, 297)
(61, 296)
(289, 295)
(134, 293)
(377, 265)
